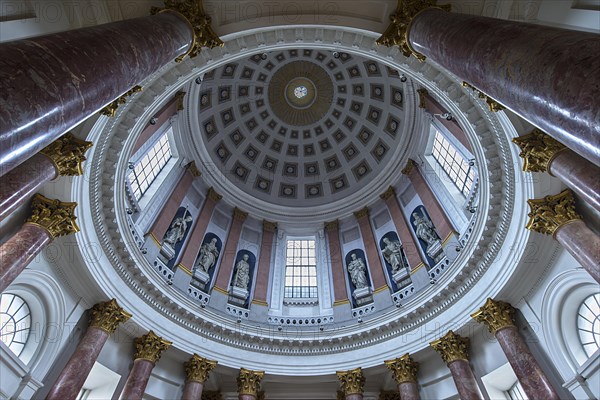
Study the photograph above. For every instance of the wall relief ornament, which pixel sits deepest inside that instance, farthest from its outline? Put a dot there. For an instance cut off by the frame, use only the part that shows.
(107, 316)
(193, 11)
(55, 216)
(538, 150)
(403, 368)
(352, 381)
(150, 347)
(452, 347)
(197, 368)
(249, 381)
(550, 213)
(67, 154)
(495, 315)
(397, 32)
(492, 104)
(111, 109)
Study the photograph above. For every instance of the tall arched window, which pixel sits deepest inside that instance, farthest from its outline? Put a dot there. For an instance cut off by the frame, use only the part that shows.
(588, 324)
(15, 322)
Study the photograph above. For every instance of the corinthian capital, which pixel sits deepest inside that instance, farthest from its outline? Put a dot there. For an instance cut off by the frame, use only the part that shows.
(537, 150)
(249, 381)
(150, 347)
(452, 347)
(397, 32)
(495, 315)
(198, 368)
(67, 154)
(108, 315)
(352, 381)
(54, 216)
(404, 369)
(552, 212)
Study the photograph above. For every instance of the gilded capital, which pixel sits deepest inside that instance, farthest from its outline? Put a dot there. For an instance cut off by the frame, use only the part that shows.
(193, 169)
(249, 381)
(239, 214)
(423, 93)
(107, 316)
(537, 150)
(56, 217)
(193, 11)
(403, 368)
(452, 347)
(362, 213)
(269, 226)
(352, 381)
(150, 347)
(198, 368)
(67, 154)
(410, 166)
(213, 195)
(389, 193)
(397, 32)
(492, 104)
(179, 97)
(495, 315)
(332, 226)
(111, 109)
(552, 212)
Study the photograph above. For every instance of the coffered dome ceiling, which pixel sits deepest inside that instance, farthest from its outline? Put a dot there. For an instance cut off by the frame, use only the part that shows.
(302, 127)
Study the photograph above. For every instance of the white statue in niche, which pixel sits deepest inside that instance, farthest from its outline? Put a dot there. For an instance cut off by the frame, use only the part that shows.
(424, 229)
(393, 254)
(208, 255)
(177, 230)
(242, 273)
(358, 272)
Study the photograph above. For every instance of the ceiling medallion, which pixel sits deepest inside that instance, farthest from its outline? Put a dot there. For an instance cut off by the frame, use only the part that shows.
(300, 93)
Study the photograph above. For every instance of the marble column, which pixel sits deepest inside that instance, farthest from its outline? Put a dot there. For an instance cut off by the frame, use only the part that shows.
(332, 230)
(190, 253)
(556, 216)
(371, 248)
(196, 372)
(62, 157)
(405, 370)
(409, 243)
(104, 320)
(51, 83)
(264, 263)
(352, 383)
(148, 349)
(248, 382)
(502, 59)
(233, 237)
(49, 219)
(454, 350)
(499, 318)
(541, 153)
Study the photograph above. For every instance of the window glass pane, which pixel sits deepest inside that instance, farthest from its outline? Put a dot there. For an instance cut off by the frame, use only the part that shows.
(15, 322)
(301, 269)
(588, 324)
(453, 164)
(148, 168)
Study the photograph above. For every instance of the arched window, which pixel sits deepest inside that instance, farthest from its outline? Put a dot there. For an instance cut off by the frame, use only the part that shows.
(588, 324)
(15, 322)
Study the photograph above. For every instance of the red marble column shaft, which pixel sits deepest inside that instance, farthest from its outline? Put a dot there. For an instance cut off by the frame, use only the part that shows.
(191, 251)
(162, 116)
(264, 265)
(22, 183)
(530, 375)
(376, 268)
(433, 107)
(246, 397)
(192, 390)
(354, 396)
(464, 380)
(408, 241)
(409, 391)
(442, 223)
(74, 374)
(137, 380)
(503, 58)
(578, 174)
(51, 83)
(164, 219)
(226, 267)
(20, 250)
(337, 265)
(583, 244)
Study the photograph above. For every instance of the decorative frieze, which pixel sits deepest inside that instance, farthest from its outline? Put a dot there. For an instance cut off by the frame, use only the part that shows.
(538, 150)
(492, 104)
(107, 316)
(552, 212)
(111, 109)
(197, 368)
(452, 347)
(150, 347)
(248, 381)
(67, 154)
(352, 381)
(495, 315)
(403, 368)
(56, 217)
